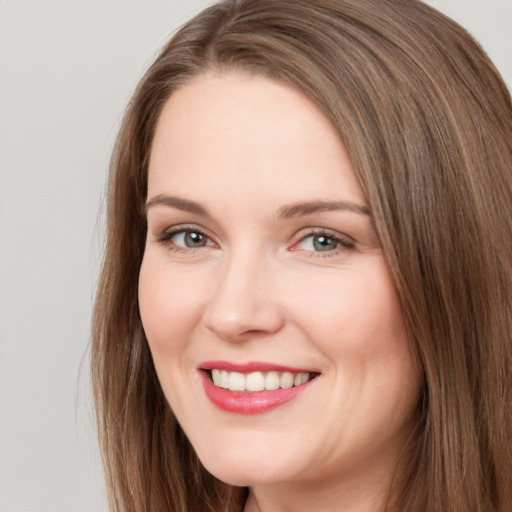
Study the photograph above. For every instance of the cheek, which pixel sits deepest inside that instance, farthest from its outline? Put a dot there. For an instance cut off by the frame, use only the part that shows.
(169, 306)
(355, 320)
(170, 312)
(353, 314)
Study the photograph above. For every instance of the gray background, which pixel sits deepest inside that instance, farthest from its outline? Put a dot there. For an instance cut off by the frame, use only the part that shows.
(66, 71)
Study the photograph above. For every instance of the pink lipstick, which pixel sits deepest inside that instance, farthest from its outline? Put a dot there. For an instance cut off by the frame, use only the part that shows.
(253, 387)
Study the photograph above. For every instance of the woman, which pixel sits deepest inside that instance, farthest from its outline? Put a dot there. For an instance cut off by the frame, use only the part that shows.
(306, 295)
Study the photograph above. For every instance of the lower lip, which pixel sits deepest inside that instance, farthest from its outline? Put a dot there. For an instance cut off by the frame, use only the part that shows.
(248, 403)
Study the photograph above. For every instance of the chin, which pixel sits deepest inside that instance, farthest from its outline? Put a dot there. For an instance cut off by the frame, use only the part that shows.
(249, 467)
(244, 475)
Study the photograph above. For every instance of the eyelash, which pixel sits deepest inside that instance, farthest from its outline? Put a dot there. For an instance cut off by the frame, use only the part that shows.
(342, 243)
(166, 238)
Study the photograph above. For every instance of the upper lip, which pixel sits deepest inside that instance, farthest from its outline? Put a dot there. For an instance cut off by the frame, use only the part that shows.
(250, 366)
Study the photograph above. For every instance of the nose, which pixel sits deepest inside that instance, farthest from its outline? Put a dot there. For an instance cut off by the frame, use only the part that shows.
(244, 303)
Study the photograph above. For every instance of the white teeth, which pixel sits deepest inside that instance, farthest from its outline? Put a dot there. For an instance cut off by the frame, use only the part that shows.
(224, 379)
(255, 381)
(304, 377)
(258, 381)
(287, 380)
(272, 381)
(236, 381)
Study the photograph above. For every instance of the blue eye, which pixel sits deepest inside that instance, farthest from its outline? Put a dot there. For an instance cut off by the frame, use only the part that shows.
(186, 239)
(324, 242)
(321, 243)
(191, 239)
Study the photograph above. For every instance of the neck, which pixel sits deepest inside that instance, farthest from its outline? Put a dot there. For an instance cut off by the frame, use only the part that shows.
(349, 495)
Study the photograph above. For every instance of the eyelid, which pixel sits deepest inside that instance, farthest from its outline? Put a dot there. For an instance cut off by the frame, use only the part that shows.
(165, 236)
(346, 243)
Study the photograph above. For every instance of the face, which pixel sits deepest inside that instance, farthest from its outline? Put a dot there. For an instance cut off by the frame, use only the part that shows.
(262, 271)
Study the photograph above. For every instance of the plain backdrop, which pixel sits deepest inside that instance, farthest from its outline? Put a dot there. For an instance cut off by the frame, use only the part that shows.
(66, 72)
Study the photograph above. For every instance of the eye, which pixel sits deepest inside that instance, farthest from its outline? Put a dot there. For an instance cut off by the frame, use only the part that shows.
(186, 239)
(190, 239)
(323, 242)
(320, 243)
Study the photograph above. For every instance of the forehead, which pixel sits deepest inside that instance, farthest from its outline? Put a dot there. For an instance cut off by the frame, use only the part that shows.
(250, 133)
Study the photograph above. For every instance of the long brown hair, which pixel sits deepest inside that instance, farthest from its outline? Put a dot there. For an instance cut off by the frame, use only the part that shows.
(427, 122)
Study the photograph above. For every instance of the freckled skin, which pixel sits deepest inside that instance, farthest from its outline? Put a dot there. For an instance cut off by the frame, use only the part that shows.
(261, 287)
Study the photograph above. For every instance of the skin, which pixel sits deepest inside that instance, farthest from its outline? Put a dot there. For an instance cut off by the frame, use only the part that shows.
(262, 288)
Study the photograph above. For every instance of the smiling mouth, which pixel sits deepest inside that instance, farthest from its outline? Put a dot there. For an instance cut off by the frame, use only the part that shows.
(258, 381)
(253, 387)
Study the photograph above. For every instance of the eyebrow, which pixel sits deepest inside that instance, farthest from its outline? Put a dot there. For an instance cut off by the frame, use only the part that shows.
(178, 203)
(299, 209)
(287, 211)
